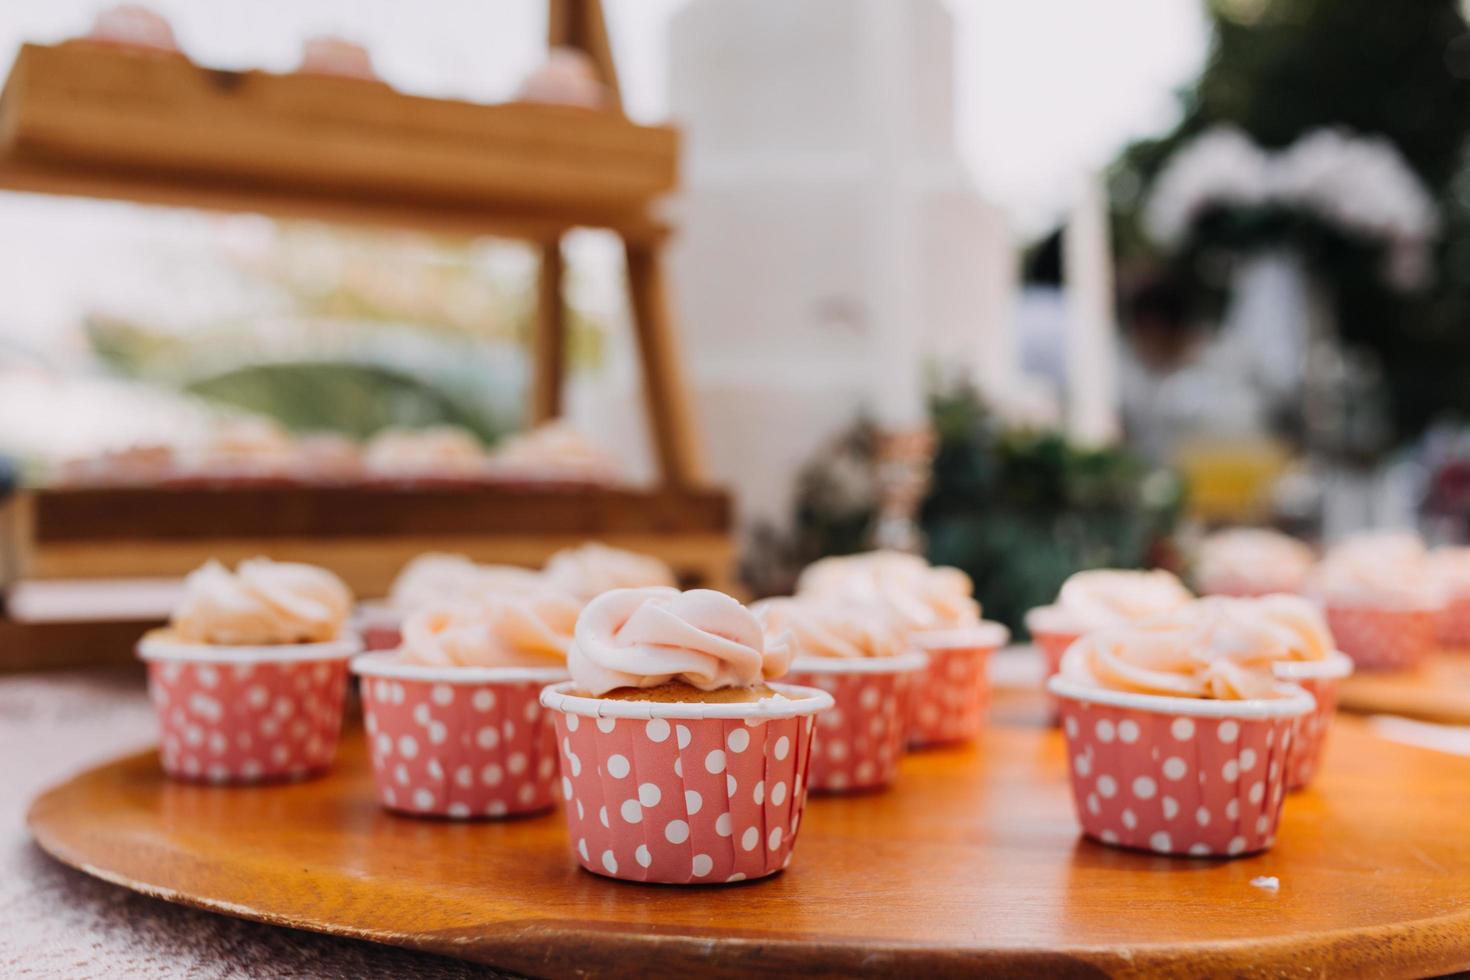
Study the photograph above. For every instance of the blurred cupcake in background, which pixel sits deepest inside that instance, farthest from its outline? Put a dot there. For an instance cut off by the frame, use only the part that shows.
(1178, 734)
(864, 661)
(935, 609)
(1450, 570)
(242, 451)
(434, 455)
(566, 77)
(336, 57)
(1101, 598)
(133, 26)
(683, 762)
(589, 570)
(554, 453)
(327, 457)
(1252, 561)
(436, 578)
(248, 677)
(1381, 599)
(453, 716)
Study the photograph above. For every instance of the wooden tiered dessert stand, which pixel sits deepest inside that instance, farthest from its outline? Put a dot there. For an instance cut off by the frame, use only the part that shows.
(81, 118)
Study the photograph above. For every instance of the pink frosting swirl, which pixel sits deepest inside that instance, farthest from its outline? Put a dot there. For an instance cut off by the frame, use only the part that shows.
(647, 637)
(1450, 570)
(441, 449)
(912, 593)
(591, 569)
(435, 578)
(1211, 648)
(506, 631)
(1384, 570)
(1100, 598)
(818, 628)
(1252, 559)
(262, 603)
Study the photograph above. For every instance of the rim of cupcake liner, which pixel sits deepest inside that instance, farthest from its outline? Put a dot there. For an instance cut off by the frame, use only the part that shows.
(1293, 702)
(798, 701)
(384, 663)
(903, 663)
(376, 612)
(986, 633)
(152, 647)
(1336, 665)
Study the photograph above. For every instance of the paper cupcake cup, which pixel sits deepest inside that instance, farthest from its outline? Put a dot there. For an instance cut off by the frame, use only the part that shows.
(247, 714)
(684, 794)
(860, 741)
(459, 742)
(1452, 624)
(1320, 679)
(1179, 776)
(379, 625)
(949, 698)
(1382, 639)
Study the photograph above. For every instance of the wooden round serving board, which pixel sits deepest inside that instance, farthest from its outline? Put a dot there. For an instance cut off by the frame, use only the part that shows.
(1439, 690)
(972, 863)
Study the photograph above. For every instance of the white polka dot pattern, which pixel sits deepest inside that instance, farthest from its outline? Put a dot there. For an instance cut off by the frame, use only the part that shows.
(480, 765)
(949, 697)
(690, 829)
(1216, 791)
(860, 741)
(1309, 737)
(1382, 639)
(249, 722)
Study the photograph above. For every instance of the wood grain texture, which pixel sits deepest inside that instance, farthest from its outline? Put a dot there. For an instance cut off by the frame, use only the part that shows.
(94, 107)
(549, 343)
(973, 863)
(671, 413)
(1438, 690)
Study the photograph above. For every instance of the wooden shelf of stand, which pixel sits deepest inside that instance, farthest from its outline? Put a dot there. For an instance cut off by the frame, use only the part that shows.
(96, 120)
(972, 864)
(366, 533)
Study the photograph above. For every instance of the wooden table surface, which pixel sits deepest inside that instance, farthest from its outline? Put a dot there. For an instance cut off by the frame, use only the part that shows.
(1439, 690)
(973, 862)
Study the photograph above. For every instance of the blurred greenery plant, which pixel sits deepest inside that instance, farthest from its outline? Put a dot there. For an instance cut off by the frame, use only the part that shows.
(1018, 510)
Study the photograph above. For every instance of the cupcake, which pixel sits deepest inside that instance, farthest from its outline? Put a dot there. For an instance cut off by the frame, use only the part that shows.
(1450, 570)
(589, 570)
(866, 664)
(435, 578)
(248, 677)
(438, 455)
(554, 453)
(1252, 561)
(454, 717)
(1101, 598)
(330, 56)
(936, 610)
(681, 762)
(1178, 740)
(1288, 630)
(1381, 602)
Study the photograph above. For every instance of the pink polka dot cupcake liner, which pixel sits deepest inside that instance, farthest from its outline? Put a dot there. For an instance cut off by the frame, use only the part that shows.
(247, 714)
(1383, 639)
(1320, 679)
(379, 626)
(949, 699)
(1452, 624)
(458, 742)
(1179, 776)
(685, 794)
(860, 741)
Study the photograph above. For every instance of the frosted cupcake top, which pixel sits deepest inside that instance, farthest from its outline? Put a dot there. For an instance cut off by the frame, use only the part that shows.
(261, 603)
(1383, 570)
(905, 588)
(436, 579)
(1101, 598)
(441, 449)
(555, 450)
(528, 630)
(1253, 557)
(642, 638)
(591, 569)
(1450, 570)
(818, 628)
